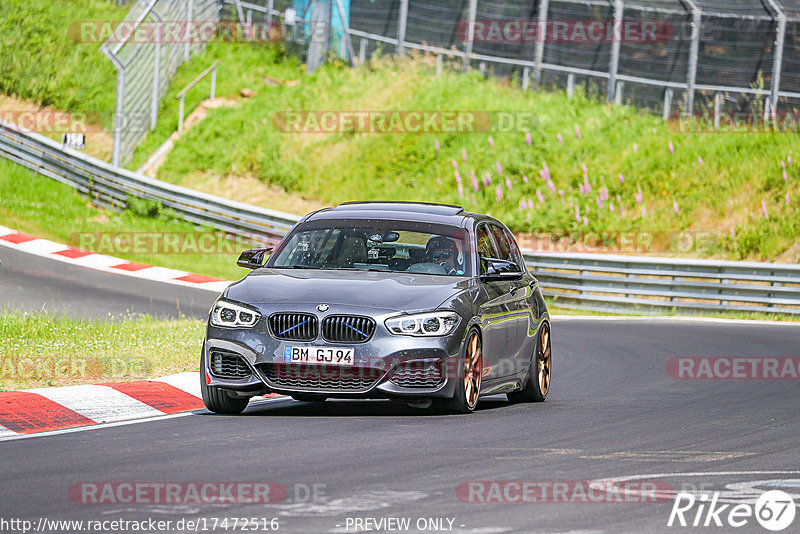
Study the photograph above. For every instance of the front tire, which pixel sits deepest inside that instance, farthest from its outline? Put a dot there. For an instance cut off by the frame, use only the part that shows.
(216, 399)
(468, 386)
(537, 381)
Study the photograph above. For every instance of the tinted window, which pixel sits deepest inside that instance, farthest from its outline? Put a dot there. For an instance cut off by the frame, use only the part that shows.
(375, 245)
(506, 246)
(516, 254)
(486, 247)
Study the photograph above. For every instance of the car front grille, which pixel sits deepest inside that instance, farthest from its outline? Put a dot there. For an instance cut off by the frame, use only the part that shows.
(321, 377)
(347, 329)
(419, 374)
(225, 364)
(294, 326)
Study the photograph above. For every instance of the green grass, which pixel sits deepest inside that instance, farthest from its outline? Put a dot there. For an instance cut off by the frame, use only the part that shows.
(42, 350)
(42, 207)
(242, 66)
(40, 62)
(722, 195)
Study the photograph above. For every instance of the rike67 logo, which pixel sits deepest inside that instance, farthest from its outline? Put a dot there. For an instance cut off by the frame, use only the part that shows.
(735, 500)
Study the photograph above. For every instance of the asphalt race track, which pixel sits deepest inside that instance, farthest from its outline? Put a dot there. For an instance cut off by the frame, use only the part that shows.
(613, 412)
(30, 282)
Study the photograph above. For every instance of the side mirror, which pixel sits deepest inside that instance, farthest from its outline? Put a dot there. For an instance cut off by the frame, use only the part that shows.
(253, 258)
(500, 270)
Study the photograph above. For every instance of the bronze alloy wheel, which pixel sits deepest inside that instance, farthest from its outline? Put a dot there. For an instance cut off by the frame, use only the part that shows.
(473, 370)
(544, 361)
(537, 382)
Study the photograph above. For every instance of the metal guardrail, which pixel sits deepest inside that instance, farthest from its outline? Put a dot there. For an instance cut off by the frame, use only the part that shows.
(614, 283)
(111, 187)
(586, 281)
(182, 95)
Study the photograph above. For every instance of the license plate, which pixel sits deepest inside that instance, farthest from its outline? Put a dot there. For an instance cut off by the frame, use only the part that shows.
(319, 355)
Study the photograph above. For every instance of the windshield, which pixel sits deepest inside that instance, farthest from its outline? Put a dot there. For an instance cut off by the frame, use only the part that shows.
(396, 246)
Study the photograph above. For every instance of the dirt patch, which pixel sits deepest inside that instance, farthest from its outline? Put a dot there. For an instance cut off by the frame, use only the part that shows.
(53, 123)
(251, 190)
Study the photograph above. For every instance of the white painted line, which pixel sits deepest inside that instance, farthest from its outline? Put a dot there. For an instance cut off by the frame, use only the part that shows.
(6, 231)
(101, 404)
(219, 287)
(188, 382)
(157, 274)
(101, 262)
(671, 319)
(6, 432)
(93, 428)
(40, 246)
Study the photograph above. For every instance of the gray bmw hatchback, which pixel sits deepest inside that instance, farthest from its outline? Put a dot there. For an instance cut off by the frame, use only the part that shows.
(427, 304)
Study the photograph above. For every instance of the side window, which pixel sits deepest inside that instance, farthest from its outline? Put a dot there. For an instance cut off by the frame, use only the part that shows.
(507, 247)
(486, 248)
(503, 248)
(516, 254)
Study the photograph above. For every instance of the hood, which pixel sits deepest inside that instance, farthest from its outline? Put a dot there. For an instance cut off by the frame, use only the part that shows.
(384, 290)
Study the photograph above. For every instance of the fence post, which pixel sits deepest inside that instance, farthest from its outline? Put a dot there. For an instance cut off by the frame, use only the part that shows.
(618, 93)
(526, 75)
(473, 13)
(270, 7)
(156, 74)
(613, 67)
(180, 115)
(667, 103)
(439, 64)
(570, 86)
(119, 120)
(401, 27)
(541, 37)
(777, 64)
(691, 79)
(717, 109)
(187, 51)
(346, 33)
(213, 84)
(362, 52)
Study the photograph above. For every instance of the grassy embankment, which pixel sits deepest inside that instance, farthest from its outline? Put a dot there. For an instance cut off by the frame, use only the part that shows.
(643, 175)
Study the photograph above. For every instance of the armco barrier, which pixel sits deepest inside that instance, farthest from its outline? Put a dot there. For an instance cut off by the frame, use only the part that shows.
(110, 187)
(587, 281)
(624, 283)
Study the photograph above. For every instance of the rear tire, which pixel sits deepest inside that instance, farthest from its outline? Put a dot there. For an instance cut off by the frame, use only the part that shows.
(537, 381)
(468, 385)
(216, 399)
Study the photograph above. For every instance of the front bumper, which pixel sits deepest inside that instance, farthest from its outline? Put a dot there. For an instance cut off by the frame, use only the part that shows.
(386, 366)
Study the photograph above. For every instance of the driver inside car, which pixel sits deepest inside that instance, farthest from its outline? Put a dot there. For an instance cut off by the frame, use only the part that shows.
(442, 251)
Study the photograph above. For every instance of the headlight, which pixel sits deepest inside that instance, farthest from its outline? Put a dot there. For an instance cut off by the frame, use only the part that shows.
(424, 324)
(232, 315)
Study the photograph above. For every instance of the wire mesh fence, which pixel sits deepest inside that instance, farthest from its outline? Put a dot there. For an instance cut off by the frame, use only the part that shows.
(146, 49)
(668, 56)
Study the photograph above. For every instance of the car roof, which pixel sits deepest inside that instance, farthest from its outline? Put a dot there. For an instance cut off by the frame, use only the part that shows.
(398, 210)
